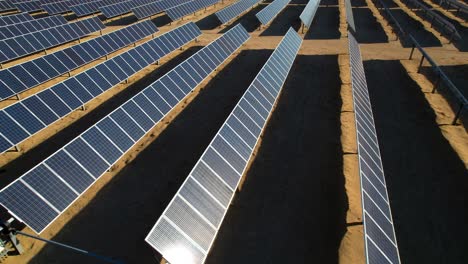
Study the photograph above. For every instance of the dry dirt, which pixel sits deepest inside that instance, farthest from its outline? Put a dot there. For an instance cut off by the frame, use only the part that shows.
(299, 201)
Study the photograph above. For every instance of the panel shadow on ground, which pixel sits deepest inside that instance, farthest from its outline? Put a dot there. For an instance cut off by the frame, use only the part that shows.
(292, 207)
(248, 20)
(124, 211)
(426, 179)
(326, 24)
(415, 28)
(358, 3)
(208, 22)
(367, 27)
(289, 17)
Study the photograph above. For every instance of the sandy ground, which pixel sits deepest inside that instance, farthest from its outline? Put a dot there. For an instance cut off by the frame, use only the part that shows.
(300, 198)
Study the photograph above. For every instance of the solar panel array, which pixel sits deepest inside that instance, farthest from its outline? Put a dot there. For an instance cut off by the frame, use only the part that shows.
(30, 115)
(60, 7)
(192, 219)
(43, 193)
(229, 13)
(307, 15)
(20, 46)
(155, 8)
(267, 14)
(31, 6)
(187, 8)
(122, 7)
(24, 76)
(6, 6)
(380, 240)
(90, 8)
(349, 15)
(14, 19)
(30, 26)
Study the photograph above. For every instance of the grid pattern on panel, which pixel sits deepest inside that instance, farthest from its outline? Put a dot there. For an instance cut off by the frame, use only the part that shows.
(187, 8)
(5, 6)
(117, 9)
(56, 8)
(14, 19)
(155, 7)
(30, 6)
(91, 7)
(77, 165)
(380, 240)
(307, 15)
(192, 219)
(55, 64)
(38, 111)
(30, 43)
(10, 31)
(349, 15)
(229, 13)
(267, 14)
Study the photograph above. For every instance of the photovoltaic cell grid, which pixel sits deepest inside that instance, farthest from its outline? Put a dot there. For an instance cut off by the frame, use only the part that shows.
(349, 15)
(10, 31)
(380, 240)
(122, 7)
(156, 7)
(36, 112)
(192, 219)
(22, 77)
(307, 15)
(14, 19)
(31, 6)
(90, 8)
(229, 13)
(267, 14)
(6, 6)
(43, 193)
(20, 46)
(187, 8)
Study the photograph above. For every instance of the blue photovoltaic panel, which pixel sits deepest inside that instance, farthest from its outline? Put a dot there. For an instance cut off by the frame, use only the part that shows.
(187, 8)
(10, 31)
(55, 64)
(58, 181)
(20, 46)
(30, 6)
(14, 19)
(121, 8)
(308, 13)
(267, 14)
(192, 219)
(91, 7)
(380, 240)
(229, 13)
(6, 6)
(145, 11)
(70, 94)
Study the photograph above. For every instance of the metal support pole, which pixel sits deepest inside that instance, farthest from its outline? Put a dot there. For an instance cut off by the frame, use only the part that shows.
(103, 258)
(17, 148)
(454, 122)
(18, 97)
(436, 84)
(420, 63)
(412, 51)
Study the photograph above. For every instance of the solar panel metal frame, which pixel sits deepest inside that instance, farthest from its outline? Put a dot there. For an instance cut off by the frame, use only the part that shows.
(138, 31)
(235, 10)
(286, 50)
(141, 112)
(89, 80)
(349, 15)
(308, 14)
(187, 8)
(379, 232)
(267, 14)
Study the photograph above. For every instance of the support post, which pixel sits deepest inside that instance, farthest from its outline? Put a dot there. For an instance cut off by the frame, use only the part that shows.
(420, 63)
(18, 97)
(412, 51)
(436, 84)
(454, 122)
(83, 108)
(17, 148)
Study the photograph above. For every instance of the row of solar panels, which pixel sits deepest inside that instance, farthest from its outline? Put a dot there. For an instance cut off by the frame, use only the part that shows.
(307, 15)
(192, 219)
(43, 193)
(229, 13)
(30, 115)
(24, 76)
(20, 46)
(10, 31)
(14, 19)
(124, 7)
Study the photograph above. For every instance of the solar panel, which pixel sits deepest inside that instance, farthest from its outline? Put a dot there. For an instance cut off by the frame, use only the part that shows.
(380, 240)
(91, 7)
(117, 9)
(30, 6)
(10, 31)
(187, 228)
(20, 46)
(148, 10)
(62, 98)
(308, 13)
(14, 19)
(349, 15)
(43, 193)
(187, 8)
(55, 64)
(6, 6)
(267, 14)
(229, 13)
(57, 7)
